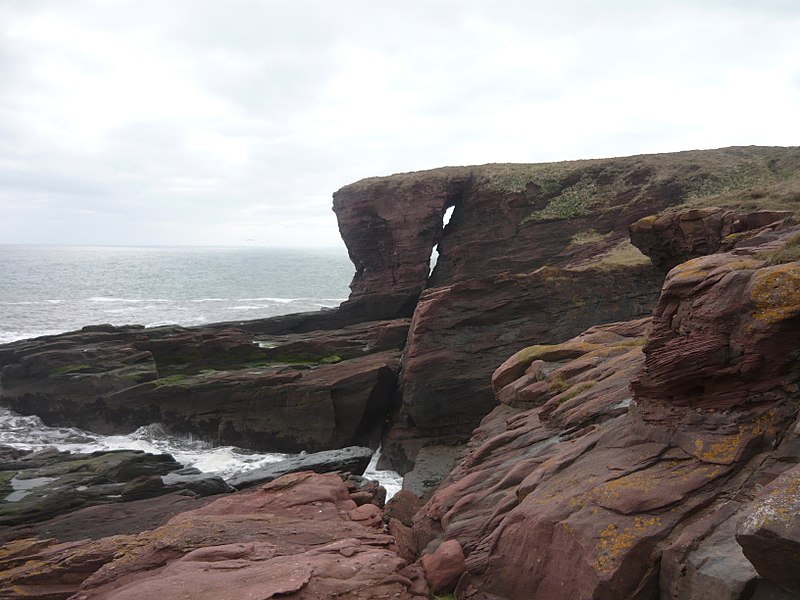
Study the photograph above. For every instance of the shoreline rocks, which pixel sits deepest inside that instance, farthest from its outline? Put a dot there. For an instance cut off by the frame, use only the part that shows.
(616, 455)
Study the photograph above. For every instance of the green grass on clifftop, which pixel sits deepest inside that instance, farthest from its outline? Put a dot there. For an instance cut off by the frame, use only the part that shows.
(748, 177)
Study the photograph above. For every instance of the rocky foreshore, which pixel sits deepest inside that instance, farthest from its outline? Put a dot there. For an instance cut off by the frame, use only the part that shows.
(595, 392)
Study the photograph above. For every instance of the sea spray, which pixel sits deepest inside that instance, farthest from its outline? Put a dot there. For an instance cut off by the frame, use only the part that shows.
(30, 433)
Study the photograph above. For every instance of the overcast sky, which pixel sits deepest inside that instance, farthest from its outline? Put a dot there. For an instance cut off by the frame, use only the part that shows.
(231, 122)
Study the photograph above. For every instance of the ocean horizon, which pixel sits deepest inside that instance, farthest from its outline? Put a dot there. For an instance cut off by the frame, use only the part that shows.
(50, 289)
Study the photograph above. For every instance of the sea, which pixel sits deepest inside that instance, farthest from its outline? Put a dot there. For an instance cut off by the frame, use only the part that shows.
(46, 290)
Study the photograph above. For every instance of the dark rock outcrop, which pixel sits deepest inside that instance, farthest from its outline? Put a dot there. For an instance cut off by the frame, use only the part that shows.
(42, 485)
(352, 460)
(277, 393)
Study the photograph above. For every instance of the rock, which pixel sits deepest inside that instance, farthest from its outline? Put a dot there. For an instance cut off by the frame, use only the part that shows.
(726, 347)
(481, 322)
(706, 562)
(198, 483)
(108, 519)
(676, 236)
(364, 491)
(291, 537)
(431, 466)
(402, 506)
(351, 460)
(45, 484)
(769, 531)
(529, 256)
(222, 385)
(444, 567)
(632, 495)
(368, 515)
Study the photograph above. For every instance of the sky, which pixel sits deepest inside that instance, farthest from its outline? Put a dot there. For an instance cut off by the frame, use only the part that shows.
(211, 122)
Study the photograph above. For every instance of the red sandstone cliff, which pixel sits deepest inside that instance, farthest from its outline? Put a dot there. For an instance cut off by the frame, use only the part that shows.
(532, 254)
(655, 456)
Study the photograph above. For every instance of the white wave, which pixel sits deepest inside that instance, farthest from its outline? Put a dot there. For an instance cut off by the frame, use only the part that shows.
(278, 300)
(8, 336)
(211, 300)
(247, 307)
(130, 300)
(30, 433)
(391, 480)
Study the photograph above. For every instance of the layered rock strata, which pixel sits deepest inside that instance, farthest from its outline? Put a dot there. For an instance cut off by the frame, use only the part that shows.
(532, 254)
(576, 487)
(290, 393)
(302, 536)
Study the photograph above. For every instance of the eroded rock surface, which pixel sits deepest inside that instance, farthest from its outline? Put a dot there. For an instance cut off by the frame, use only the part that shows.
(292, 538)
(489, 296)
(676, 236)
(574, 487)
(35, 486)
(275, 393)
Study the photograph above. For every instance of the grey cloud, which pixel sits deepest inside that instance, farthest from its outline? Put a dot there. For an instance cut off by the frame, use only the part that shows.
(278, 128)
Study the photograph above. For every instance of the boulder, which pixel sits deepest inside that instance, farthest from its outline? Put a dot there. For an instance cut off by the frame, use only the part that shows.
(350, 460)
(444, 566)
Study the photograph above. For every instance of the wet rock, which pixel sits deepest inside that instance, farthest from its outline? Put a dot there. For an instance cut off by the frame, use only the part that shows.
(350, 460)
(222, 385)
(431, 466)
(45, 484)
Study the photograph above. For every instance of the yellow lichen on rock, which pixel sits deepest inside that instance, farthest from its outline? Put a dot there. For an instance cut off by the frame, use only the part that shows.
(614, 541)
(775, 292)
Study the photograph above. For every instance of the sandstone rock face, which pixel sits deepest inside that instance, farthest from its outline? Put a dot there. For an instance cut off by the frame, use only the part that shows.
(270, 392)
(573, 487)
(676, 236)
(291, 538)
(451, 351)
(488, 296)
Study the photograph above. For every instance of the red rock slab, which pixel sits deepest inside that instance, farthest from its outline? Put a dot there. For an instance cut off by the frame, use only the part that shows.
(345, 568)
(291, 536)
